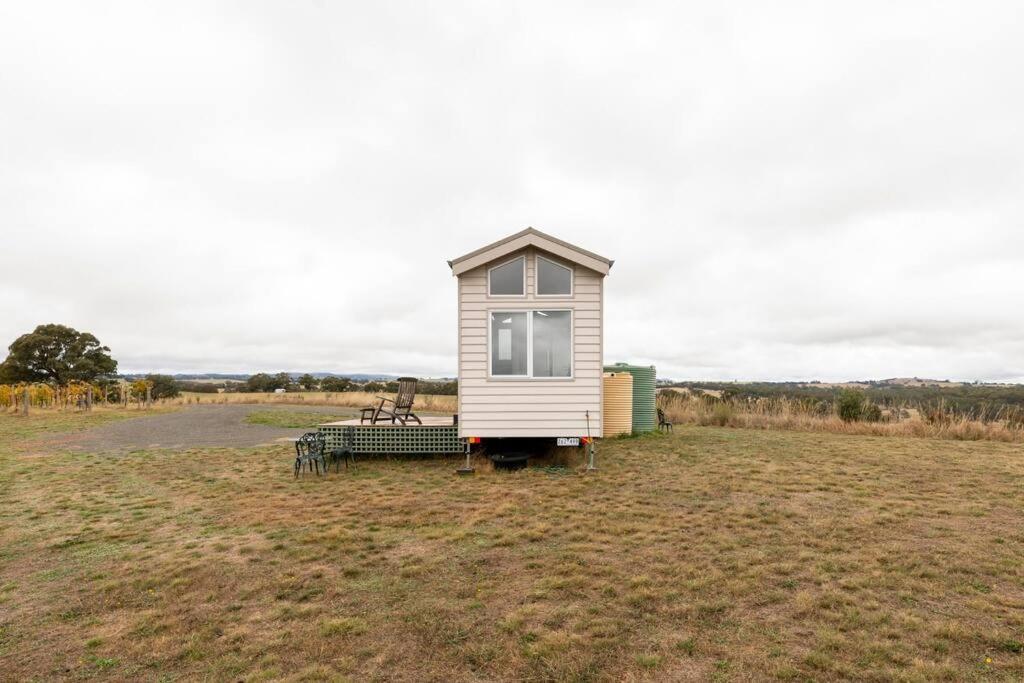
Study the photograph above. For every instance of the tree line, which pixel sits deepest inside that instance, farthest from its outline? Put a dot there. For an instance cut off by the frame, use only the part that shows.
(265, 382)
(61, 357)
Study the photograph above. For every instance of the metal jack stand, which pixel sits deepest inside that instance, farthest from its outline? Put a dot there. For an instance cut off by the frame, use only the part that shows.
(467, 468)
(591, 467)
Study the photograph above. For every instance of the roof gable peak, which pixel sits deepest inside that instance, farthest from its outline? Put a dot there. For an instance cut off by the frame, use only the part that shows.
(526, 238)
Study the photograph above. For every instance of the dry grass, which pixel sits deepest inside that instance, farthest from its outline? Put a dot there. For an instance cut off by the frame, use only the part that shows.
(427, 403)
(710, 554)
(15, 427)
(788, 414)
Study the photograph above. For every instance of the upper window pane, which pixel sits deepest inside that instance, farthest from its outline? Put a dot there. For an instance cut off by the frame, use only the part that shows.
(507, 279)
(552, 344)
(553, 278)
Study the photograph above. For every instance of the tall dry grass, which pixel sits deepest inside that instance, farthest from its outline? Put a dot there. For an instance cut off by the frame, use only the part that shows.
(791, 414)
(427, 403)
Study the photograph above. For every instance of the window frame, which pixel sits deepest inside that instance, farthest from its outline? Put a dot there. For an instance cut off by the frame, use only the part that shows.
(528, 377)
(521, 257)
(536, 278)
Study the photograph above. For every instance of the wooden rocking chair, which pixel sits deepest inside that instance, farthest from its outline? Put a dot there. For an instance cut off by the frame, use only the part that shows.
(401, 405)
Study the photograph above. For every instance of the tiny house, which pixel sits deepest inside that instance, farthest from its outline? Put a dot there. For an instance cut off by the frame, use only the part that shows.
(530, 339)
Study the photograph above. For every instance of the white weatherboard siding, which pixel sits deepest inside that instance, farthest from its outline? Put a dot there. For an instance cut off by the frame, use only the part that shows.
(491, 407)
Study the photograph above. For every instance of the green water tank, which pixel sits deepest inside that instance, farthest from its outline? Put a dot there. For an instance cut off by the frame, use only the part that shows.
(645, 416)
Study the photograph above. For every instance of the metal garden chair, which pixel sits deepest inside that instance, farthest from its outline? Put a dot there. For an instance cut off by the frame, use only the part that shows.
(339, 455)
(309, 451)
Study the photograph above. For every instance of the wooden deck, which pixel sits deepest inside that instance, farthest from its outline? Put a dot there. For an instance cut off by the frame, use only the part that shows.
(428, 421)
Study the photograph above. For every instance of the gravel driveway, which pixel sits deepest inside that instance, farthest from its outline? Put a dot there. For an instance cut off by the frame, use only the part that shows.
(209, 425)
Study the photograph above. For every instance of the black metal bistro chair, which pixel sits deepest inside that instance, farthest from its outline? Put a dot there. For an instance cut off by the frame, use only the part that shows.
(345, 451)
(340, 455)
(309, 451)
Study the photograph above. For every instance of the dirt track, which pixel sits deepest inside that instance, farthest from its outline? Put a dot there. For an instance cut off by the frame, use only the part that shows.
(211, 425)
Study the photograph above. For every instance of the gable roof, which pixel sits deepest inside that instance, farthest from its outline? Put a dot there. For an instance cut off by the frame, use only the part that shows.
(530, 238)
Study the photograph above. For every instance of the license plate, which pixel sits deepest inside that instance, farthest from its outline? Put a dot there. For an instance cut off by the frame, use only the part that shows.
(568, 441)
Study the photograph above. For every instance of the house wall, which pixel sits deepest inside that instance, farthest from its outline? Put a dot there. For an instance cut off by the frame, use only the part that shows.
(490, 407)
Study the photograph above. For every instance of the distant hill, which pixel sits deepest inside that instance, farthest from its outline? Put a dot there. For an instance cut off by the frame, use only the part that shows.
(902, 382)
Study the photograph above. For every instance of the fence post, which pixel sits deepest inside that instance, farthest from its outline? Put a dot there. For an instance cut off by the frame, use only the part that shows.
(24, 401)
(149, 398)
(88, 399)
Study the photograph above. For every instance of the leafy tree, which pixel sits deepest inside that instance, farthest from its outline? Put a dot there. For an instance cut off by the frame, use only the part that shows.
(336, 384)
(138, 389)
(261, 382)
(59, 354)
(163, 386)
(851, 405)
(7, 375)
(309, 382)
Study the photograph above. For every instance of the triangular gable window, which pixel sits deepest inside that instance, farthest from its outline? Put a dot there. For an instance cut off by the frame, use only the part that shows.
(508, 279)
(553, 279)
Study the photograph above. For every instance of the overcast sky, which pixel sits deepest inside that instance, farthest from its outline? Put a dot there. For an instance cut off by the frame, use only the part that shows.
(789, 190)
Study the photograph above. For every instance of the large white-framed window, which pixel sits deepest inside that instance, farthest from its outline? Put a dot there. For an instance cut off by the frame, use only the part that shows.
(553, 278)
(508, 278)
(530, 344)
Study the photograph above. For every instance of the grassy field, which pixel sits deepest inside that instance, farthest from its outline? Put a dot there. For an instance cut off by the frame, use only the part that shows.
(712, 554)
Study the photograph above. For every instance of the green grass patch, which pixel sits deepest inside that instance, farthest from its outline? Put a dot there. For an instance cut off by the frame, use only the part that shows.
(292, 419)
(342, 626)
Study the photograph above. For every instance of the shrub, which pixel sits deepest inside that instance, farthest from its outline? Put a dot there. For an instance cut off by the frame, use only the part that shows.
(850, 405)
(721, 415)
(871, 413)
(1014, 646)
